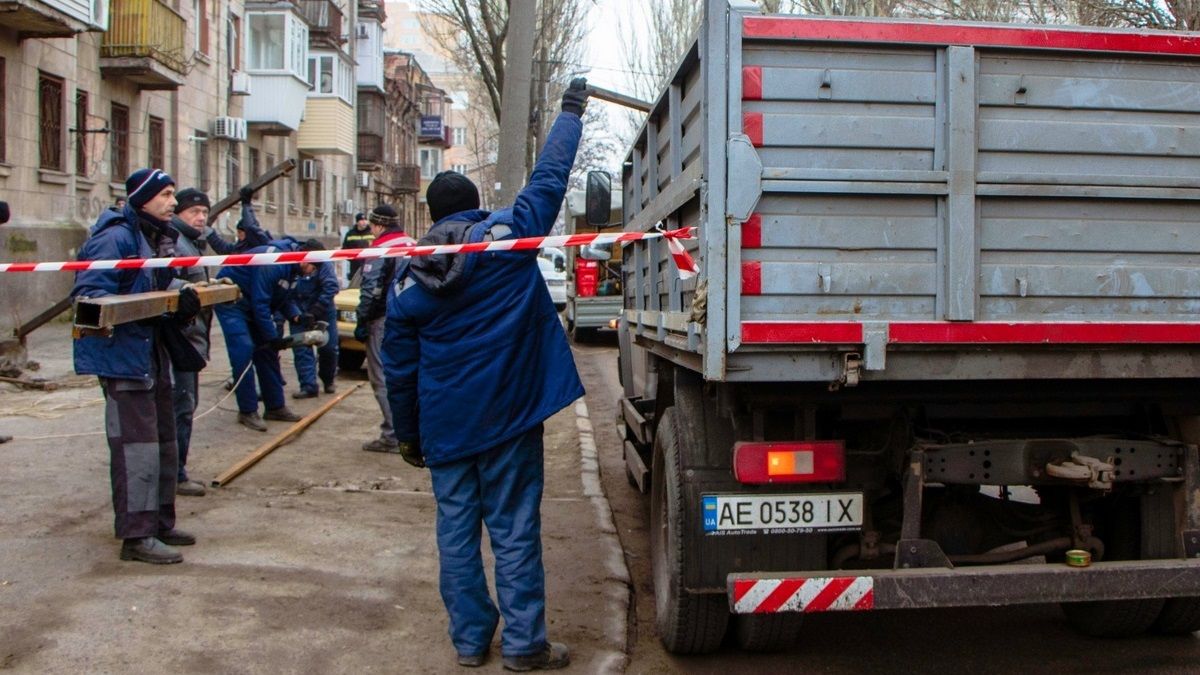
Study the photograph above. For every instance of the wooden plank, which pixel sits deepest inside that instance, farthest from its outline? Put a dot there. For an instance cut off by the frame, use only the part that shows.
(289, 434)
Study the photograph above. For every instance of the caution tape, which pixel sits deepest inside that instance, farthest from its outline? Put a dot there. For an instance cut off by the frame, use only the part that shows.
(683, 261)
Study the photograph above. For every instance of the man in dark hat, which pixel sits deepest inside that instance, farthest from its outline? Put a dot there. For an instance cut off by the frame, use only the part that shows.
(372, 304)
(475, 360)
(359, 236)
(190, 221)
(134, 368)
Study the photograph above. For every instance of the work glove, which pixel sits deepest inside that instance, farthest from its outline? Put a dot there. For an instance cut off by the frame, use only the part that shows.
(247, 194)
(188, 306)
(279, 343)
(306, 321)
(410, 451)
(575, 98)
(362, 332)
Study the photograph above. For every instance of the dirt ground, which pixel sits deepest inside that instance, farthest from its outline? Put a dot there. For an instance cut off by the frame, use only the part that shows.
(320, 559)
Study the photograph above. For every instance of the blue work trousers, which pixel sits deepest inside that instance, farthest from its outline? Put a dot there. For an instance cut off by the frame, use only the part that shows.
(243, 351)
(500, 488)
(324, 365)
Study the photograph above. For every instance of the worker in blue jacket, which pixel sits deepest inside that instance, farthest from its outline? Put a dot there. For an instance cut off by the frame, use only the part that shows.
(134, 366)
(249, 232)
(313, 296)
(475, 359)
(252, 338)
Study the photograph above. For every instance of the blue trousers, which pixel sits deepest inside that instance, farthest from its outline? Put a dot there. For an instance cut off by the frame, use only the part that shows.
(500, 488)
(243, 351)
(324, 366)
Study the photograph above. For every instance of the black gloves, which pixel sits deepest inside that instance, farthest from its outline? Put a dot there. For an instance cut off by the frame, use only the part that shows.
(247, 194)
(575, 98)
(362, 332)
(306, 321)
(410, 451)
(188, 306)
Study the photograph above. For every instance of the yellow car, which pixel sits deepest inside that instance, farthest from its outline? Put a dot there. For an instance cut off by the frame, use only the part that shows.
(351, 352)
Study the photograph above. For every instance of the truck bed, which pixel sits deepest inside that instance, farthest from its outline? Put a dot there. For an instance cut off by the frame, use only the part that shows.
(919, 201)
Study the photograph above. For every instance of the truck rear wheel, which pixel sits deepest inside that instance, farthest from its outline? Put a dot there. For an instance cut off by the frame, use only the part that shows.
(688, 623)
(1132, 535)
(767, 632)
(1179, 616)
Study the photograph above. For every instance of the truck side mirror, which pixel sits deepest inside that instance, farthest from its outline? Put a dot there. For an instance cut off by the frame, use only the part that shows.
(599, 198)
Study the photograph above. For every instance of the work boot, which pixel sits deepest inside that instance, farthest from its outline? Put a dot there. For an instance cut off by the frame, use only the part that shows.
(281, 415)
(472, 660)
(553, 657)
(381, 445)
(176, 537)
(190, 488)
(251, 421)
(150, 550)
(330, 387)
(305, 393)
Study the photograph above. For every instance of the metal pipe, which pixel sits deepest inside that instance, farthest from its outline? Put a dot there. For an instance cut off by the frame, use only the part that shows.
(619, 98)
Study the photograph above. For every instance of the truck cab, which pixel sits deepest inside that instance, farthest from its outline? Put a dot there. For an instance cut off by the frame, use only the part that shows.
(594, 299)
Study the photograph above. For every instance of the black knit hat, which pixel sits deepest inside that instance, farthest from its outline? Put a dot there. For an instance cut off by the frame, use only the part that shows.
(189, 197)
(384, 216)
(145, 184)
(449, 193)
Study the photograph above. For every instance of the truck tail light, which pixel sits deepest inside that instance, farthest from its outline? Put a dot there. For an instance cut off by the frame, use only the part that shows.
(790, 462)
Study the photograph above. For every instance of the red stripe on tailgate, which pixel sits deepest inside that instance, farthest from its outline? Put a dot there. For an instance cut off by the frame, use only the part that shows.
(752, 126)
(828, 595)
(752, 232)
(1043, 333)
(786, 589)
(967, 34)
(751, 277)
(819, 332)
(752, 83)
(741, 587)
(867, 601)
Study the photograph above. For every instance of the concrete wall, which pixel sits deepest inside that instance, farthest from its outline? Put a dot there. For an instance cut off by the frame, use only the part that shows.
(25, 295)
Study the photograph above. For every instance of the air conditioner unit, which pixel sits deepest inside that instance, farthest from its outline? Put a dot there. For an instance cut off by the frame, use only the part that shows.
(240, 84)
(230, 128)
(346, 207)
(363, 32)
(310, 169)
(362, 179)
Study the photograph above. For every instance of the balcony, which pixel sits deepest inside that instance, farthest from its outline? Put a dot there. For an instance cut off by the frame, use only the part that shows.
(401, 178)
(372, 9)
(370, 152)
(324, 23)
(144, 44)
(52, 18)
(328, 127)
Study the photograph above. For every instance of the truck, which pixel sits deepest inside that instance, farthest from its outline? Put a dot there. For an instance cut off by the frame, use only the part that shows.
(593, 272)
(943, 345)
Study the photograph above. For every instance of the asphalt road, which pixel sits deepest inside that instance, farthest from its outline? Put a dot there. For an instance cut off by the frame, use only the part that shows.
(1027, 639)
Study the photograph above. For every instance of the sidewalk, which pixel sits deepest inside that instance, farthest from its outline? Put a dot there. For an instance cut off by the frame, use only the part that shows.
(320, 559)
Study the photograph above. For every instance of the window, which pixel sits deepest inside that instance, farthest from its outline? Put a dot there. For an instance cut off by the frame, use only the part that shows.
(319, 186)
(431, 162)
(267, 41)
(50, 121)
(255, 169)
(320, 74)
(460, 168)
(233, 168)
(201, 140)
(330, 75)
(156, 132)
(200, 12)
(81, 134)
(233, 42)
(119, 137)
(460, 135)
(271, 186)
(3, 110)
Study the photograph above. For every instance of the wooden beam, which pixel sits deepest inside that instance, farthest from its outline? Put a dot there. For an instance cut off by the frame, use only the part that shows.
(101, 314)
(290, 433)
(278, 171)
(41, 319)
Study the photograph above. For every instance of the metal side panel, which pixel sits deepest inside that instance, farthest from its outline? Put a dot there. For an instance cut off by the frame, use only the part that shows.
(715, 53)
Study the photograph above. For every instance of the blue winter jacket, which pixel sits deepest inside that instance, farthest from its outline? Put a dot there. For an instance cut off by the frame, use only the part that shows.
(266, 289)
(255, 235)
(478, 357)
(126, 354)
(313, 293)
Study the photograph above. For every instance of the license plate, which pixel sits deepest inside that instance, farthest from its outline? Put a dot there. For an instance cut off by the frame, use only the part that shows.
(782, 514)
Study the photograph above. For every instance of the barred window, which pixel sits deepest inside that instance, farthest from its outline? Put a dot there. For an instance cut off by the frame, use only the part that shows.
(156, 130)
(3, 110)
(233, 168)
(81, 134)
(50, 108)
(271, 198)
(119, 137)
(201, 140)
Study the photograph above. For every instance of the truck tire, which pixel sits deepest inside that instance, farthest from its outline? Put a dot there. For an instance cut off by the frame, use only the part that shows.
(1129, 539)
(688, 623)
(767, 632)
(1160, 524)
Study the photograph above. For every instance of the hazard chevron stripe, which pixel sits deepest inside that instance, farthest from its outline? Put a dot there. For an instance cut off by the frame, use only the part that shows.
(818, 594)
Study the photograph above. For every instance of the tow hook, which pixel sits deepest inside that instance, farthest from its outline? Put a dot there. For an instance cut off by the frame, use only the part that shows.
(851, 369)
(1097, 473)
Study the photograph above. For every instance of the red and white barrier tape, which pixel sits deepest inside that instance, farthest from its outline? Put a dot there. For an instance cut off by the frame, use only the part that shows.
(683, 261)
